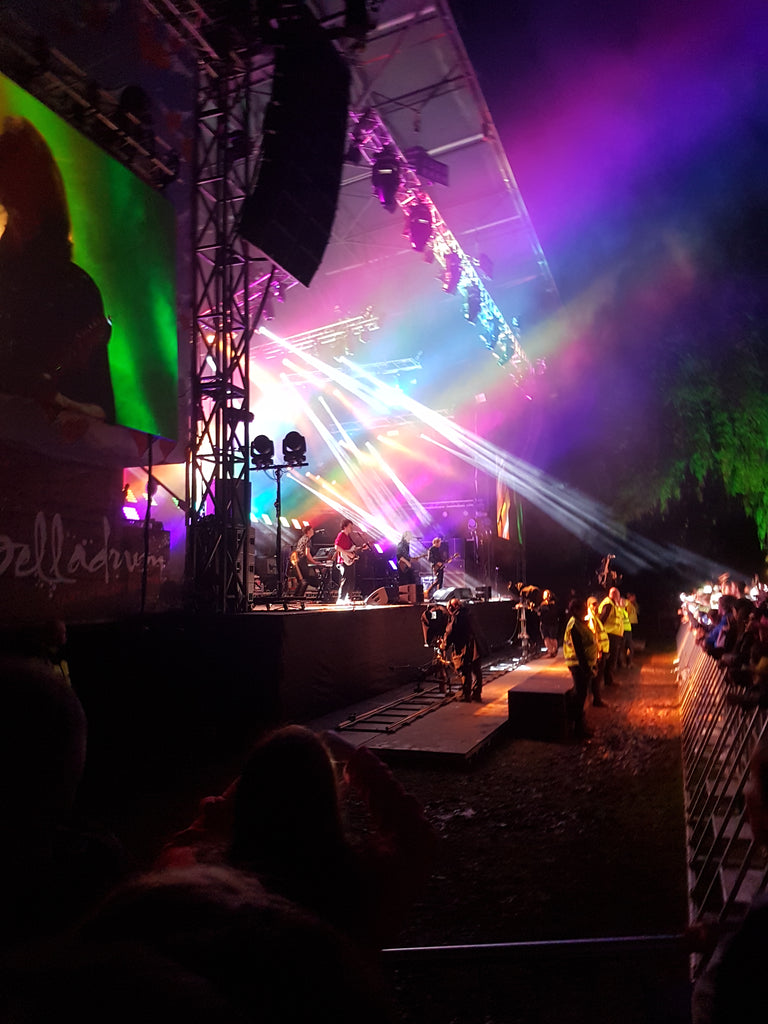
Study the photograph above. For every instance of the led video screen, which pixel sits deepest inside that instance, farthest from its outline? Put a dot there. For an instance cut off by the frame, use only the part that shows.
(87, 278)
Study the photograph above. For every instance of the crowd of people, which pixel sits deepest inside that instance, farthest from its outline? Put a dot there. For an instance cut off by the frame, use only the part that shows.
(264, 908)
(730, 621)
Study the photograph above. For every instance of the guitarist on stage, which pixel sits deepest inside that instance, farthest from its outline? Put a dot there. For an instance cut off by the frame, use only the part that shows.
(404, 564)
(438, 556)
(346, 557)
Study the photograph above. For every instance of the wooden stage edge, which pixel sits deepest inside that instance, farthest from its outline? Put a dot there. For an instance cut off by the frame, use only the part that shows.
(520, 700)
(163, 678)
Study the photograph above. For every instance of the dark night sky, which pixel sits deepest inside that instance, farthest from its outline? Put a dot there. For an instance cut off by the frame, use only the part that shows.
(613, 114)
(638, 135)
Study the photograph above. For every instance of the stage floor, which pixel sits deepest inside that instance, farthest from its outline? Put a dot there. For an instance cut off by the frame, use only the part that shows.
(454, 731)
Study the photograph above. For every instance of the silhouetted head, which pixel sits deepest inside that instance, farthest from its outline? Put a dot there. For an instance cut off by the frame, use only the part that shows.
(287, 801)
(207, 933)
(42, 743)
(31, 193)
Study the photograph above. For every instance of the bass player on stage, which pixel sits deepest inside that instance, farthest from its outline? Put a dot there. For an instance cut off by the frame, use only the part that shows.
(346, 557)
(438, 557)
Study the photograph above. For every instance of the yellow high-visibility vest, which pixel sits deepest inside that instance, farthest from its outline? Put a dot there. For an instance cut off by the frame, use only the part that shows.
(601, 633)
(588, 640)
(615, 621)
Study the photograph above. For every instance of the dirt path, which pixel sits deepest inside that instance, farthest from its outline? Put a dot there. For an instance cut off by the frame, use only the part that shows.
(544, 841)
(551, 840)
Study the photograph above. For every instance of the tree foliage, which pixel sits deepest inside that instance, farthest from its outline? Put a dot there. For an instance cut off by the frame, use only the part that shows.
(717, 413)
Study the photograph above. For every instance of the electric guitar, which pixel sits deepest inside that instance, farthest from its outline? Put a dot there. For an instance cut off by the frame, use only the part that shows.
(407, 563)
(441, 565)
(350, 556)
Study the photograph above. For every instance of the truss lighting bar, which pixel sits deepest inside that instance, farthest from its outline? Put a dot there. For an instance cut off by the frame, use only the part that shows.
(369, 134)
(65, 88)
(355, 326)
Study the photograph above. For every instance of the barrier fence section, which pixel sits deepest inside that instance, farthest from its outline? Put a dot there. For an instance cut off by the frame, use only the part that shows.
(632, 979)
(726, 867)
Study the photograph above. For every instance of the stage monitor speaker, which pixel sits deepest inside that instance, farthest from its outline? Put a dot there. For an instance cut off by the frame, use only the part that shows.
(411, 593)
(446, 593)
(379, 596)
(290, 213)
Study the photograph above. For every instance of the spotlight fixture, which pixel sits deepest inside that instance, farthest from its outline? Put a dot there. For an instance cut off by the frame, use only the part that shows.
(473, 304)
(133, 117)
(452, 273)
(354, 153)
(491, 334)
(420, 225)
(385, 177)
(168, 173)
(294, 449)
(262, 452)
(235, 416)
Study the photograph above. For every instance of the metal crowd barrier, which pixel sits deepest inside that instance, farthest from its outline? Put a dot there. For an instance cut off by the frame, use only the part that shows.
(635, 979)
(726, 868)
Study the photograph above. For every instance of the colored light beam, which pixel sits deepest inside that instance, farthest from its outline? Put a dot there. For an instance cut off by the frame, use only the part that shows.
(585, 518)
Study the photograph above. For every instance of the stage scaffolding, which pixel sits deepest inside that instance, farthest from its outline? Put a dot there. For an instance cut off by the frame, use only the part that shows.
(224, 319)
(232, 284)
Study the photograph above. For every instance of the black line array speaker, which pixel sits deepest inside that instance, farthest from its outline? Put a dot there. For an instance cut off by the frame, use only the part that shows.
(290, 213)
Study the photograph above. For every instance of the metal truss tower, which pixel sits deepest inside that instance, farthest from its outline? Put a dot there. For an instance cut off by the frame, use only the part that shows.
(218, 512)
(231, 287)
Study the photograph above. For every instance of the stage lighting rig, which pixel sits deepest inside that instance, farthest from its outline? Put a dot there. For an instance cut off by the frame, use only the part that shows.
(263, 457)
(452, 273)
(473, 303)
(294, 449)
(262, 452)
(490, 335)
(420, 225)
(385, 177)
